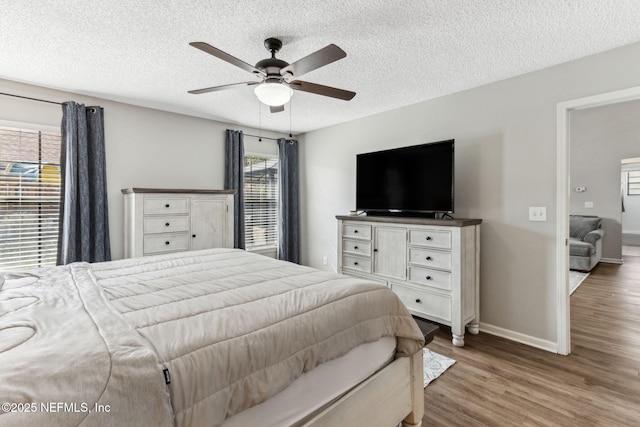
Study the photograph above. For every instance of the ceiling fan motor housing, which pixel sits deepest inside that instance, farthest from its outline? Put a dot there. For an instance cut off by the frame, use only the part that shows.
(272, 67)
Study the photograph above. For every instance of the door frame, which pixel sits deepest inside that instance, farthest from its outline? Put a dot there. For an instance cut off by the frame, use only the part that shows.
(562, 202)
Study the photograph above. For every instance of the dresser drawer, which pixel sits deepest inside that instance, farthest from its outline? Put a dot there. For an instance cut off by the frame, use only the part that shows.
(357, 247)
(424, 302)
(356, 263)
(430, 258)
(166, 205)
(356, 230)
(165, 224)
(158, 243)
(430, 238)
(432, 278)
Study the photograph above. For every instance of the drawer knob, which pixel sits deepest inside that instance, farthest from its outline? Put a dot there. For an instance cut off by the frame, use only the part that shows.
(428, 277)
(418, 300)
(355, 263)
(167, 242)
(375, 250)
(428, 237)
(355, 231)
(167, 205)
(167, 224)
(429, 258)
(355, 247)
(194, 236)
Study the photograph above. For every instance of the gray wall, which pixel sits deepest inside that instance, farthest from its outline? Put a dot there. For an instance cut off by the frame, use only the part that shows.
(600, 138)
(505, 162)
(144, 147)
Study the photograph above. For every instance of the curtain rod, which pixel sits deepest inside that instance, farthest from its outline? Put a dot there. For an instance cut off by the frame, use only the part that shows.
(32, 99)
(260, 137)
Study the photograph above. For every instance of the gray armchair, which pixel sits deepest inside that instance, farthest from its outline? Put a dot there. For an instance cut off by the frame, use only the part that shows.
(585, 242)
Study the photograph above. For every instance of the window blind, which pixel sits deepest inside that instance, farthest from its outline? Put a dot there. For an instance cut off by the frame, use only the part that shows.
(633, 183)
(29, 197)
(261, 201)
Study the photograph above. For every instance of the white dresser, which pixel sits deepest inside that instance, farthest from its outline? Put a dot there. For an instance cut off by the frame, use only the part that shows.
(163, 220)
(432, 265)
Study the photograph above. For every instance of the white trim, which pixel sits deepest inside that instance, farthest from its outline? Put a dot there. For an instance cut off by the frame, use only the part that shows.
(612, 260)
(632, 161)
(518, 337)
(562, 199)
(31, 126)
(563, 339)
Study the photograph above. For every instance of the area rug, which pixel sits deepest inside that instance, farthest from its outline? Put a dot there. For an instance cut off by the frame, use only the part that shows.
(434, 365)
(575, 279)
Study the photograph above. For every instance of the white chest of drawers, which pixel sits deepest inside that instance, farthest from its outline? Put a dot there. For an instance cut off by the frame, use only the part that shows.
(432, 265)
(162, 220)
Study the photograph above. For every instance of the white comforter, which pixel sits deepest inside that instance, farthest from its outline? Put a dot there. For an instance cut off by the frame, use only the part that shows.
(231, 328)
(67, 358)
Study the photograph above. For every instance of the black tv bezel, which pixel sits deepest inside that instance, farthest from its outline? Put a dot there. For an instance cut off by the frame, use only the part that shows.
(409, 212)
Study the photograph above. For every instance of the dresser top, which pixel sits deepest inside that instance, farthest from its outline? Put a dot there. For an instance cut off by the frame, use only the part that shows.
(174, 190)
(454, 222)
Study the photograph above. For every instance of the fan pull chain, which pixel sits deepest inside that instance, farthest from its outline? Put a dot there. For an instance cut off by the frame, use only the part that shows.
(260, 121)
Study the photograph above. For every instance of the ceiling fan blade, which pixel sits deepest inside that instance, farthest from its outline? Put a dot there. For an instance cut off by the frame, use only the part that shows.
(317, 59)
(317, 89)
(226, 57)
(221, 87)
(277, 109)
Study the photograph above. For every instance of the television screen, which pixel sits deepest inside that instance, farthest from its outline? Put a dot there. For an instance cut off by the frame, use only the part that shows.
(415, 179)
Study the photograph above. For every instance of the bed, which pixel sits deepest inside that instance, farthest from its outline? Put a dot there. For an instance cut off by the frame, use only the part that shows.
(219, 337)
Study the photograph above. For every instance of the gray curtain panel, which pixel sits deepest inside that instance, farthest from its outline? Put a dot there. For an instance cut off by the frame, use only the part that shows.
(288, 222)
(234, 180)
(84, 222)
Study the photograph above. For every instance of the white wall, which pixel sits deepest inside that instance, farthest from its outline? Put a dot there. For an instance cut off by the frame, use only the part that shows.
(600, 138)
(144, 147)
(505, 162)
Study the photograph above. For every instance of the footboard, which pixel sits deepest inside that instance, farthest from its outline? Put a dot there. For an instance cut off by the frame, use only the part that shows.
(393, 395)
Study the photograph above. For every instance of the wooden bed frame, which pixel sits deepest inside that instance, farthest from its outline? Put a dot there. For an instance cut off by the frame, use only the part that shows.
(394, 394)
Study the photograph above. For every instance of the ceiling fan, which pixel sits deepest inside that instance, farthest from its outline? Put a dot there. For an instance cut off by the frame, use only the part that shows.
(277, 76)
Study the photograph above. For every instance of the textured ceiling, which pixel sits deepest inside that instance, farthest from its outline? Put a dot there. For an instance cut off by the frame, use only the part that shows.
(398, 52)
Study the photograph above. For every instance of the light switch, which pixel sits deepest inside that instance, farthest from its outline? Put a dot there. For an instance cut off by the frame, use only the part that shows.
(588, 204)
(538, 213)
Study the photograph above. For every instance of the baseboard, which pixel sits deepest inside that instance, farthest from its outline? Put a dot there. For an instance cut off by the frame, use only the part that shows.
(518, 337)
(631, 239)
(612, 260)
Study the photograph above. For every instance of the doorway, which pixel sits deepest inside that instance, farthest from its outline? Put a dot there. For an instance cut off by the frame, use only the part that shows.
(630, 196)
(562, 194)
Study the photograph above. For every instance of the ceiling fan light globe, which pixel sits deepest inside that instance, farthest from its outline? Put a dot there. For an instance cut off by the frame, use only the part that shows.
(273, 94)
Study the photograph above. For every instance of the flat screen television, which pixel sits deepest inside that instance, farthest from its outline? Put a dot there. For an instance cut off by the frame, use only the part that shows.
(416, 180)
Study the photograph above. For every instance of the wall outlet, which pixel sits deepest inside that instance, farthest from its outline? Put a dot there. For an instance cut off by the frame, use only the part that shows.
(581, 189)
(538, 213)
(325, 261)
(588, 205)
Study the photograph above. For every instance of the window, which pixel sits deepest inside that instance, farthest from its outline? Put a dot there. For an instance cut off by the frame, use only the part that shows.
(29, 197)
(261, 201)
(633, 183)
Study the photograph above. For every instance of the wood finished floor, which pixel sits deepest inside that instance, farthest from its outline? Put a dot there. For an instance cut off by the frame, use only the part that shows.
(496, 382)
